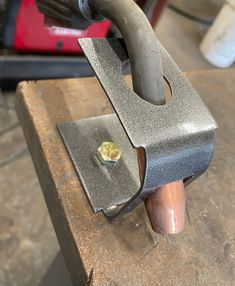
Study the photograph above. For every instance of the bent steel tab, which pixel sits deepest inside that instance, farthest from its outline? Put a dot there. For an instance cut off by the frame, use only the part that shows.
(177, 137)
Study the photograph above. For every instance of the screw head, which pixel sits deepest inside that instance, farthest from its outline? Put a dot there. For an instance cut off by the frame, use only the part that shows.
(109, 153)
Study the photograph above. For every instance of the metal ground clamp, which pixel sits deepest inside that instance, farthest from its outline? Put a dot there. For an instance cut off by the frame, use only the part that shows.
(177, 137)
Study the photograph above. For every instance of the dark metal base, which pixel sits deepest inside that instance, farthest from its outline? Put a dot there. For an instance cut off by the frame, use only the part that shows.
(107, 187)
(22, 67)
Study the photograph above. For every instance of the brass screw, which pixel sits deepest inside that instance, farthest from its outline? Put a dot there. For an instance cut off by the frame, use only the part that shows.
(109, 153)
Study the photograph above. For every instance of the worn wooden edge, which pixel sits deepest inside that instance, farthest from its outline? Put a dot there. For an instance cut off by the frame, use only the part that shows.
(205, 227)
(79, 274)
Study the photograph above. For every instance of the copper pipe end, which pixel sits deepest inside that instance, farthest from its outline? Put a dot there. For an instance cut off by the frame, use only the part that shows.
(166, 208)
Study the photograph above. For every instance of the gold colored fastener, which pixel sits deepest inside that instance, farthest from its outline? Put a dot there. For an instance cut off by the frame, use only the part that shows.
(109, 153)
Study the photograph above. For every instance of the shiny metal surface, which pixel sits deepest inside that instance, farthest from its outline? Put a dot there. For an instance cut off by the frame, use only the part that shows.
(166, 208)
(106, 186)
(178, 137)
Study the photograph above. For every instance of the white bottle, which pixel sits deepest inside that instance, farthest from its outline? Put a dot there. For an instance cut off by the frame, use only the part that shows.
(218, 45)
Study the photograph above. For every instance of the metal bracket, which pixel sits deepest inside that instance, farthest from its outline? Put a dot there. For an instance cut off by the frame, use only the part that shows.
(106, 186)
(178, 137)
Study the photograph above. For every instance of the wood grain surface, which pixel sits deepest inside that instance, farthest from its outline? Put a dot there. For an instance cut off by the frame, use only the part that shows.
(128, 252)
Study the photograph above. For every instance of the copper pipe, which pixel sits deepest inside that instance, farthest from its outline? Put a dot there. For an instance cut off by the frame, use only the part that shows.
(166, 206)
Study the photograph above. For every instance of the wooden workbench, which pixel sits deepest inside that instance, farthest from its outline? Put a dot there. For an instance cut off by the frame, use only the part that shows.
(128, 252)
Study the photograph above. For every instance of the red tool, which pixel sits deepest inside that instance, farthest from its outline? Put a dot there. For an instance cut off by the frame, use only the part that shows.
(26, 42)
(31, 35)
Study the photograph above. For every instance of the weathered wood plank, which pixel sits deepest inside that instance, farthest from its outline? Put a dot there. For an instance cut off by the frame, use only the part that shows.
(128, 252)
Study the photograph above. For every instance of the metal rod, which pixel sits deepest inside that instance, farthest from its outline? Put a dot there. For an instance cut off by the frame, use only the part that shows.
(142, 46)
